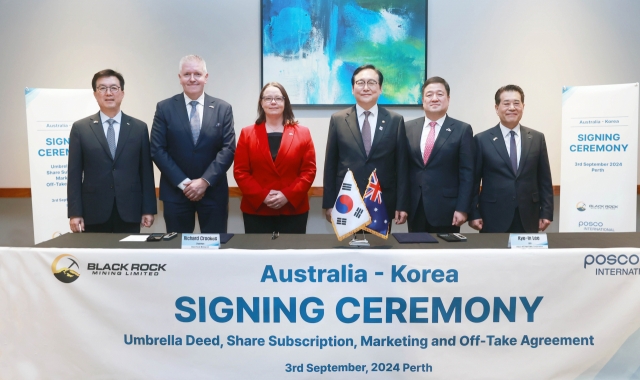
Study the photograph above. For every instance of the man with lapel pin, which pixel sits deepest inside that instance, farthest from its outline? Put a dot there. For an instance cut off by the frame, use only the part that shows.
(367, 137)
(193, 143)
(110, 186)
(513, 165)
(441, 154)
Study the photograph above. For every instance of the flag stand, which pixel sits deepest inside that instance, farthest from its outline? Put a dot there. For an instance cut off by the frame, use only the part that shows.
(359, 243)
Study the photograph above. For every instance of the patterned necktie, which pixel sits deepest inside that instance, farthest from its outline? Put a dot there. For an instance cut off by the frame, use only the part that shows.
(431, 140)
(513, 153)
(366, 133)
(194, 120)
(111, 138)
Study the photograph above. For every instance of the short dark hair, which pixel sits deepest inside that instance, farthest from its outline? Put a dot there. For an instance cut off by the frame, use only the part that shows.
(436, 80)
(509, 87)
(365, 67)
(287, 114)
(107, 73)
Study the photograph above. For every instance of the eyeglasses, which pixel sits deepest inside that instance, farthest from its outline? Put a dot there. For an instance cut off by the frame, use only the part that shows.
(269, 99)
(370, 83)
(104, 89)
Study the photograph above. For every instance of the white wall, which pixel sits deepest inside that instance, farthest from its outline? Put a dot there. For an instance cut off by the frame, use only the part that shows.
(477, 45)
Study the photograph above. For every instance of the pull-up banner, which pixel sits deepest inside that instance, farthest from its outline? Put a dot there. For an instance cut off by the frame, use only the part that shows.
(339, 314)
(50, 114)
(599, 158)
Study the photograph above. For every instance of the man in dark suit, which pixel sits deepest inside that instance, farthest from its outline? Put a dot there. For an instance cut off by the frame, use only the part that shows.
(367, 137)
(110, 186)
(193, 143)
(513, 165)
(441, 154)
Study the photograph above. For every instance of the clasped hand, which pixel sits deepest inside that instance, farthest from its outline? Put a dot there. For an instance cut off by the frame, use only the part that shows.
(275, 199)
(195, 189)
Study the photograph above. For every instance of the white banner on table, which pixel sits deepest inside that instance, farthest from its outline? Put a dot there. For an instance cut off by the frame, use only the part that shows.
(599, 158)
(50, 114)
(402, 314)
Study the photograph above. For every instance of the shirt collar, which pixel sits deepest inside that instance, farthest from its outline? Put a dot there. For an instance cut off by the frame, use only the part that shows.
(505, 130)
(440, 121)
(188, 100)
(117, 118)
(373, 110)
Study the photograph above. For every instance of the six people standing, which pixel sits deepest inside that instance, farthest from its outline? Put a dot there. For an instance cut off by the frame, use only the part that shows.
(431, 173)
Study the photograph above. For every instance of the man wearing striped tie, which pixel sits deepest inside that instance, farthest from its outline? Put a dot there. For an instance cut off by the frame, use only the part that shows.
(440, 164)
(110, 186)
(193, 143)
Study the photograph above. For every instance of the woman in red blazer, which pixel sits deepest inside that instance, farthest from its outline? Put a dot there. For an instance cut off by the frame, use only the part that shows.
(275, 165)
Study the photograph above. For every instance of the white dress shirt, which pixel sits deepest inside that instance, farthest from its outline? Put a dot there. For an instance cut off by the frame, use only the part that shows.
(373, 119)
(426, 128)
(199, 106)
(506, 133)
(116, 125)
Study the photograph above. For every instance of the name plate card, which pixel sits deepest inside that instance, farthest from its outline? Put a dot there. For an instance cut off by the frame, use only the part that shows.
(517, 241)
(200, 241)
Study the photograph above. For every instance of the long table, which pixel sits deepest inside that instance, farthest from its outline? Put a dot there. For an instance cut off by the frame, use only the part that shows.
(305, 306)
(314, 241)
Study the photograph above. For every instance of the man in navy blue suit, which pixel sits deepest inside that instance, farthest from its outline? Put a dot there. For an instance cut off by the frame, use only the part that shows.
(513, 165)
(193, 143)
(441, 154)
(110, 186)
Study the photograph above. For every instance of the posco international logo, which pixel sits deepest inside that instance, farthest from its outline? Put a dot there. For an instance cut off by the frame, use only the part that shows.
(594, 225)
(612, 260)
(581, 206)
(62, 268)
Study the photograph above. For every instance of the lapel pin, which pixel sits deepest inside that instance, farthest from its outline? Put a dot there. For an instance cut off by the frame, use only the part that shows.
(380, 128)
(95, 122)
(290, 133)
(528, 137)
(448, 129)
(495, 138)
(210, 106)
(128, 124)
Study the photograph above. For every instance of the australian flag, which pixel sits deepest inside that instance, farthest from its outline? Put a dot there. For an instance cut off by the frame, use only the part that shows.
(373, 200)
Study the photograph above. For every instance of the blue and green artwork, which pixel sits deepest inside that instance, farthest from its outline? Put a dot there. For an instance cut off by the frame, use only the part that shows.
(312, 47)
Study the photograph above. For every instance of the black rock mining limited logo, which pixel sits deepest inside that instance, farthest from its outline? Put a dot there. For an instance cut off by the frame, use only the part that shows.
(66, 268)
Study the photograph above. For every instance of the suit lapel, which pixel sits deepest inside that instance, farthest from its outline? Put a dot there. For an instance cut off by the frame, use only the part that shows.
(526, 139)
(352, 122)
(446, 130)
(287, 140)
(207, 116)
(123, 136)
(263, 144)
(498, 142)
(98, 131)
(181, 110)
(414, 133)
(384, 123)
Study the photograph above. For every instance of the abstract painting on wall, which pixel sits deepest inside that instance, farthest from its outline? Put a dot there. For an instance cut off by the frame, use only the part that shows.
(312, 47)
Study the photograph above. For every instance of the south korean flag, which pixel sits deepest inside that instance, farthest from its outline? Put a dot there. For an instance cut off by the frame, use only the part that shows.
(349, 214)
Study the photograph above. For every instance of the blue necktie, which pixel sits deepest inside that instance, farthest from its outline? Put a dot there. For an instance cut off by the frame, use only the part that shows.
(194, 121)
(513, 153)
(111, 138)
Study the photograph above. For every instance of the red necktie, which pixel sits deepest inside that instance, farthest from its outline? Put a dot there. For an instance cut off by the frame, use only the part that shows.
(431, 139)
